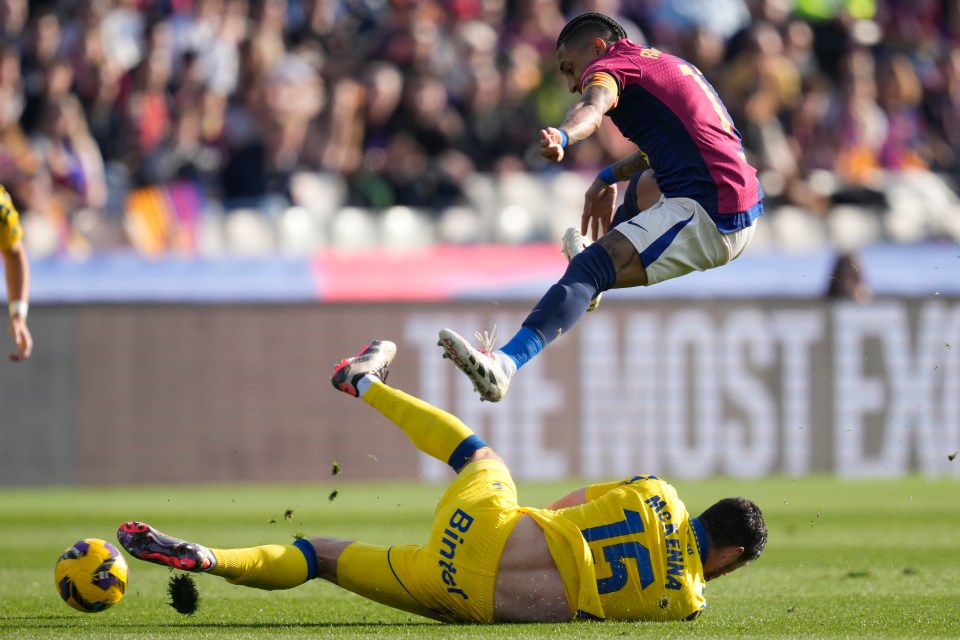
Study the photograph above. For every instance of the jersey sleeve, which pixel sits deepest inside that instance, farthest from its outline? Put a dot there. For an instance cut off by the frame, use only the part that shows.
(595, 491)
(602, 79)
(11, 230)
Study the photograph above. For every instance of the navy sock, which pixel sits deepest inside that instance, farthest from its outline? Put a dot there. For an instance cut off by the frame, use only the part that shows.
(564, 304)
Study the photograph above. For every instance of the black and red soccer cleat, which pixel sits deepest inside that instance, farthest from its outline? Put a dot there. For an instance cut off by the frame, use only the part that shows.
(146, 543)
(372, 360)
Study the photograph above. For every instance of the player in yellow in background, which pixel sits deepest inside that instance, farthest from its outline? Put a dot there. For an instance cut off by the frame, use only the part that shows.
(17, 272)
(624, 550)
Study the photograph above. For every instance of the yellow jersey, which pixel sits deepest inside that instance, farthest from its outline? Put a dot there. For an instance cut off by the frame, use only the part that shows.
(642, 557)
(10, 229)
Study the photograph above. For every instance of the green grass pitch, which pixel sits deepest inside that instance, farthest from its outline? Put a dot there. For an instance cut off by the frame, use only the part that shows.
(864, 558)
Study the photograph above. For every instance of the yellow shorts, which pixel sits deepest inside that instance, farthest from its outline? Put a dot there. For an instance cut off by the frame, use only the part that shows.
(455, 574)
(453, 577)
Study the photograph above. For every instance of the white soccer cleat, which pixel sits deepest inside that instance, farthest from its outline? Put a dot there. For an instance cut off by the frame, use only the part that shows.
(573, 243)
(488, 370)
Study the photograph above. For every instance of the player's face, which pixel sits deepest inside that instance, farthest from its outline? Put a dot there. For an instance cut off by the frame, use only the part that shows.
(574, 59)
(730, 567)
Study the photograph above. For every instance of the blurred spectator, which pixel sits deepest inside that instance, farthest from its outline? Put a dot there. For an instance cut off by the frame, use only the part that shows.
(762, 86)
(71, 156)
(943, 113)
(182, 154)
(122, 26)
(294, 97)
(899, 95)
(335, 142)
(847, 281)
(217, 28)
(189, 84)
(909, 26)
(403, 102)
(670, 18)
(537, 23)
(835, 24)
(101, 98)
(38, 57)
(772, 12)
(761, 73)
(84, 45)
(705, 49)
(244, 179)
(612, 8)
(485, 121)
(13, 19)
(18, 162)
(855, 126)
(798, 40)
(427, 115)
(383, 90)
(145, 103)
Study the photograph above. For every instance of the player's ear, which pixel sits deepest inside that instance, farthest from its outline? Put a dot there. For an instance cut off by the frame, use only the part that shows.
(730, 555)
(599, 46)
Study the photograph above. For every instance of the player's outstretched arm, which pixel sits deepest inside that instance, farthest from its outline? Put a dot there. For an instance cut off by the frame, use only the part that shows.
(585, 494)
(572, 499)
(17, 271)
(581, 122)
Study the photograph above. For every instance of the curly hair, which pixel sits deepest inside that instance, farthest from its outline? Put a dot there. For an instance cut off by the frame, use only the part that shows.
(595, 25)
(736, 522)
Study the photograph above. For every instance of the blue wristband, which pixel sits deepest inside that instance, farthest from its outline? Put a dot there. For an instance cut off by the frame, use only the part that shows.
(607, 176)
(564, 138)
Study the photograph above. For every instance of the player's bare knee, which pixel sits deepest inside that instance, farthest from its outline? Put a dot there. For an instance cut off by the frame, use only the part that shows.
(329, 551)
(486, 453)
(626, 260)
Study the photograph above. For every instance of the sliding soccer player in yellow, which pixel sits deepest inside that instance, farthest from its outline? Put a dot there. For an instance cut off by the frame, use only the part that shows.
(17, 273)
(625, 550)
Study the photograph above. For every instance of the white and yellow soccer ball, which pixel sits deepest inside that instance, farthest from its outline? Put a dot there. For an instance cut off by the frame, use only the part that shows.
(91, 575)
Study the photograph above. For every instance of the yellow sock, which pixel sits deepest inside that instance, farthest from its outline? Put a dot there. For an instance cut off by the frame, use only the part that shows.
(271, 566)
(432, 430)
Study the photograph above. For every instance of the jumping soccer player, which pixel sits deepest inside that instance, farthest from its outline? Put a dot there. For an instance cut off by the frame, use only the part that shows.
(704, 218)
(17, 271)
(624, 550)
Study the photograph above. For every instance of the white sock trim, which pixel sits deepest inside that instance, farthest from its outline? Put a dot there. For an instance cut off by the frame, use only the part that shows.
(506, 363)
(364, 383)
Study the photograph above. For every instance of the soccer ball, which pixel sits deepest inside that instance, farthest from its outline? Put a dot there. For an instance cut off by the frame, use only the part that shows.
(91, 575)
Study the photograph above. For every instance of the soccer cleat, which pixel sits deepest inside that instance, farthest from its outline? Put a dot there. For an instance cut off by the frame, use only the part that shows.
(372, 360)
(146, 543)
(573, 243)
(485, 368)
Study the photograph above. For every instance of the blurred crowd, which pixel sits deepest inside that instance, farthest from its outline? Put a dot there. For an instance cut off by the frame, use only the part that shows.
(840, 102)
